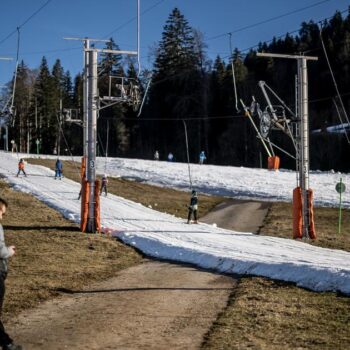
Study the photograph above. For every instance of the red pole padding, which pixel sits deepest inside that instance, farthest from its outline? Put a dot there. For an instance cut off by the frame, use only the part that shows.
(297, 213)
(83, 167)
(97, 206)
(273, 163)
(312, 232)
(84, 204)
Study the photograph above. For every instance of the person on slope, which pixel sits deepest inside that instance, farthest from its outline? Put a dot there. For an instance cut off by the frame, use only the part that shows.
(202, 157)
(104, 183)
(193, 207)
(170, 157)
(58, 169)
(5, 252)
(21, 167)
(156, 155)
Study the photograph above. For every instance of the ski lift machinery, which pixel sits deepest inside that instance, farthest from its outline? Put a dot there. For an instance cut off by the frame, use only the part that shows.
(121, 90)
(295, 126)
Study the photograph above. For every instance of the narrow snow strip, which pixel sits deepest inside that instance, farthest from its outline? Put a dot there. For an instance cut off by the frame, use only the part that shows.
(303, 266)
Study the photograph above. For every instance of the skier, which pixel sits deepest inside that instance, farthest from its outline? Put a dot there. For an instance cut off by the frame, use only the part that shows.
(193, 207)
(202, 157)
(21, 167)
(156, 155)
(104, 183)
(170, 157)
(58, 169)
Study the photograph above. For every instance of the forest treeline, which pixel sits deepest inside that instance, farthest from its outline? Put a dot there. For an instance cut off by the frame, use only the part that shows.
(187, 85)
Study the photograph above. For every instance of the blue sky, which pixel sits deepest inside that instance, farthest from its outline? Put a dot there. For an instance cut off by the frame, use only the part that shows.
(42, 35)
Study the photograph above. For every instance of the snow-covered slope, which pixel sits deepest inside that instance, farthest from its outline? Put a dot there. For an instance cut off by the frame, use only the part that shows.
(238, 182)
(165, 236)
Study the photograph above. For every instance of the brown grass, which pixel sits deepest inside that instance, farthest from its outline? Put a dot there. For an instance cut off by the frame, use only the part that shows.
(265, 314)
(261, 313)
(278, 222)
(52, 253)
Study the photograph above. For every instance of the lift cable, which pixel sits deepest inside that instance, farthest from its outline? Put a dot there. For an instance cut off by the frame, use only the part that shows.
(233, 74)
(16, 70)
(290, 134)
(281, 149)
(341, 121)
(188, 155)
(283, 35)
(138, 40)
(25, 22)
(78, 170)
(144, 96)
(334, 81)
(268, 20)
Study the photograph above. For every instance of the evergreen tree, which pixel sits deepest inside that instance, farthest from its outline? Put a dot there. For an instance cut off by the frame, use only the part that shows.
(22, 127)
(176, 90)
(109, 66)
(176, 50)
(47, 102)
(78, 93)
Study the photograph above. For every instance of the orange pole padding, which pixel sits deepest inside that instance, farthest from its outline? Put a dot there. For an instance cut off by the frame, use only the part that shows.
(83, 167)
(97, 206)
(297, 213)
(312, 232)
(85, 189)
(273, 163)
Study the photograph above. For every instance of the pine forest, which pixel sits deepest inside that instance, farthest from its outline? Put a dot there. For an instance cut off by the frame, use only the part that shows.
(188, 86)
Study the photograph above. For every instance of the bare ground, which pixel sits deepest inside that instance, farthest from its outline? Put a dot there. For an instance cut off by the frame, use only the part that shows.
(260, 313)
(155, 305)
(238, 215)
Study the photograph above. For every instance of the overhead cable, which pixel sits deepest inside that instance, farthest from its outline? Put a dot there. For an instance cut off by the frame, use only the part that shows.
(333, 78)
(283, 35)
(233, 74)
(133, 18)
(268, 20)
(26, 21)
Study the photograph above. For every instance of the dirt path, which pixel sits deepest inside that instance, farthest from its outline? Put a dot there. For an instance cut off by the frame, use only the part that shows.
(155, 305)
(238, 215)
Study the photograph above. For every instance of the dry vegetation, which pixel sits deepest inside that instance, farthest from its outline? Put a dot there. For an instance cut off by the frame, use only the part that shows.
(261, 313)
(279, 218)
(266, 314)
(52, 253)
(270, 315)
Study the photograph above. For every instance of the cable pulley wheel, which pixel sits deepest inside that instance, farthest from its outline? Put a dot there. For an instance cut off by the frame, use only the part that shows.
(265, 124)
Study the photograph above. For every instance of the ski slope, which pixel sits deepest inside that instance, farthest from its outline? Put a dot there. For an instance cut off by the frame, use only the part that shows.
(238, 182)
(165, 236)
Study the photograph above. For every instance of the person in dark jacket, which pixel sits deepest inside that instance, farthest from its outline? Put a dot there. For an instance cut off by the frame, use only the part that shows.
(104, 183)
(5, 252)
(193, 208)
(21, 167)
(58, 169)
